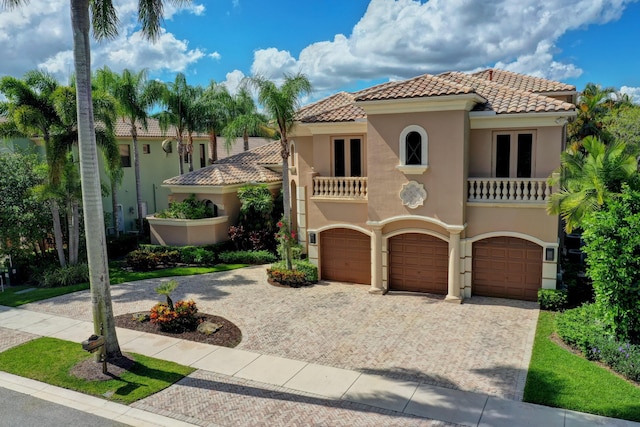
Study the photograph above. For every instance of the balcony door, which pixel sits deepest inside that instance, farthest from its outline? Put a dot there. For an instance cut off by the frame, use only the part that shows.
(347, 157)
(513, 154)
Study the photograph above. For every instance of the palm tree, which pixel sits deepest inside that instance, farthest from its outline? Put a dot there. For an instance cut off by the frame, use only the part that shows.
(104, 108)
(176, 98)
(245, 120)
(593, 104)
(135, 96)
(589, 178)
(281, 104)
(216, 103)
(30, 110)
(105, 20)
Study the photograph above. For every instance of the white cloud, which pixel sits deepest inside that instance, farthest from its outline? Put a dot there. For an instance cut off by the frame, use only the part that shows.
(39, 36)
(633, 92)
(215, 55)
(404, 38)
(233, 80)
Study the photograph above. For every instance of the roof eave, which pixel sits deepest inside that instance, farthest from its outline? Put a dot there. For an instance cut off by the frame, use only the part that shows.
(465, 101)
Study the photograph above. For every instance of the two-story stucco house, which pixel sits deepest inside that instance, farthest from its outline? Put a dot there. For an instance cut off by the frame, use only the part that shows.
(434, 184)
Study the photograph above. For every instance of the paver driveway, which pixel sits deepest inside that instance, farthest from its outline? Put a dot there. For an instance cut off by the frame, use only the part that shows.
(482, 345)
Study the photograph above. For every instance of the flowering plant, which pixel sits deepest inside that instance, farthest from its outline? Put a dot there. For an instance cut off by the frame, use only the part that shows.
(286, 240)
(180, 318)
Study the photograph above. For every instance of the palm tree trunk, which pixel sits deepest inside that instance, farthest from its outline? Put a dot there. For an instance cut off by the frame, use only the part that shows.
(190, 151)
(245, 137)
(136, 167)
(213, 147)
(74, 232)
(57, 232)
(180, 154)
(103, 321)
(71, 241)
(286, 193)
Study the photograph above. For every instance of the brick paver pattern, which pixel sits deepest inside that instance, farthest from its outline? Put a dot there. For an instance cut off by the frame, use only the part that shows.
(478, 346)
(209, 399)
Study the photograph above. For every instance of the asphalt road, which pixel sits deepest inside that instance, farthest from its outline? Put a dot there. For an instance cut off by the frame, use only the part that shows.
(22, 410)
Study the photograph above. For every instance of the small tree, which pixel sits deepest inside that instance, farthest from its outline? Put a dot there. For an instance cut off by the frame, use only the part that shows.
(166, 289)
(613, 259)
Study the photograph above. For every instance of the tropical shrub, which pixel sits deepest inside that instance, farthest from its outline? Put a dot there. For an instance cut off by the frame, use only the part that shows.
(196, 255)
(141, 260)
(552, 299)
(582, 329)
(248, 257)
(255, 227)
(612, 248)
(190, 208)
(64, 276)
(182, 318)
(309, 270)
(293, 278)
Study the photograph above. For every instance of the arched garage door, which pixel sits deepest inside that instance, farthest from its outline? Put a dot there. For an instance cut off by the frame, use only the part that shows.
(418, 263)
(507, 267)
(345, 256)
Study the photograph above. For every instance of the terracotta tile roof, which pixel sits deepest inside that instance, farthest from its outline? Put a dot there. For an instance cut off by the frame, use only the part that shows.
(238, 169)
(226, 174)
(122, 130)
(504, 100)
(336, 108)
(267, 154)
(507, 92)
(417, 87)
(523, 82)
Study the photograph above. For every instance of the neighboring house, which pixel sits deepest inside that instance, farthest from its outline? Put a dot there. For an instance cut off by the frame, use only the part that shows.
(218, 185)
(158, 161)
(434, 184)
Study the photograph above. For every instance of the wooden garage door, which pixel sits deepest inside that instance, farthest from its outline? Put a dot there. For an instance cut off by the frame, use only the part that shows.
(345, 256)
(507, 267)
(418, 263)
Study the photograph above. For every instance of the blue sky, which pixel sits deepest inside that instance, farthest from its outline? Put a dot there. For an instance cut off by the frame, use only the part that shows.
(347, 45)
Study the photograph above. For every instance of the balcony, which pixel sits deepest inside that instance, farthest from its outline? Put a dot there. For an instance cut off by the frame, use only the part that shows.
(508, 190)
(340, 188)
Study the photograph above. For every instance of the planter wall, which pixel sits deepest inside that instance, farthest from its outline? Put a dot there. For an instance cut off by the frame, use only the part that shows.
(188, 232)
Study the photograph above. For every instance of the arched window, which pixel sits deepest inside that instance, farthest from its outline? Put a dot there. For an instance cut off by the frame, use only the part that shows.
(413, 140)
(213, 208)
(292, 154)
(413, 150)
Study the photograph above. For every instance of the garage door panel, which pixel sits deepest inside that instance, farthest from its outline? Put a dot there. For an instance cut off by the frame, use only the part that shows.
(345, 256)
(507, 267)
(418, 263)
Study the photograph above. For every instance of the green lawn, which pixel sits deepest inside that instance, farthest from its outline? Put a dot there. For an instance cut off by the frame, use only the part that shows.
(12, 297)
(49, 360)
(562, 379)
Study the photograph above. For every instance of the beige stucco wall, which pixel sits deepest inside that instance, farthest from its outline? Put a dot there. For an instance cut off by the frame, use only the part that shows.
(547, 151)
(182, 232)
(444, 181)
(532, 221)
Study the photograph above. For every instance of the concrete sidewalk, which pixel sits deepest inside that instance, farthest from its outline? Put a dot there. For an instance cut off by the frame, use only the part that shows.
(287, 381)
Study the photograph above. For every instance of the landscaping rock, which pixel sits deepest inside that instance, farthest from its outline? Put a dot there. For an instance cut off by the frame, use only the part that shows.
(208, 328)
(141, 317)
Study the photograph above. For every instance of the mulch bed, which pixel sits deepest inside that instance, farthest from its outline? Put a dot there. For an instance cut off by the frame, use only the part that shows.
(227, 336)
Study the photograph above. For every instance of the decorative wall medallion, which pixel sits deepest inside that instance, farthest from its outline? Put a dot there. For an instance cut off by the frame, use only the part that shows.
(413, 194)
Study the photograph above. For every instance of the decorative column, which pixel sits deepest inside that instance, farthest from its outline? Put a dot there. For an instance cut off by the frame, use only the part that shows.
(453, 288)
(376, 261)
